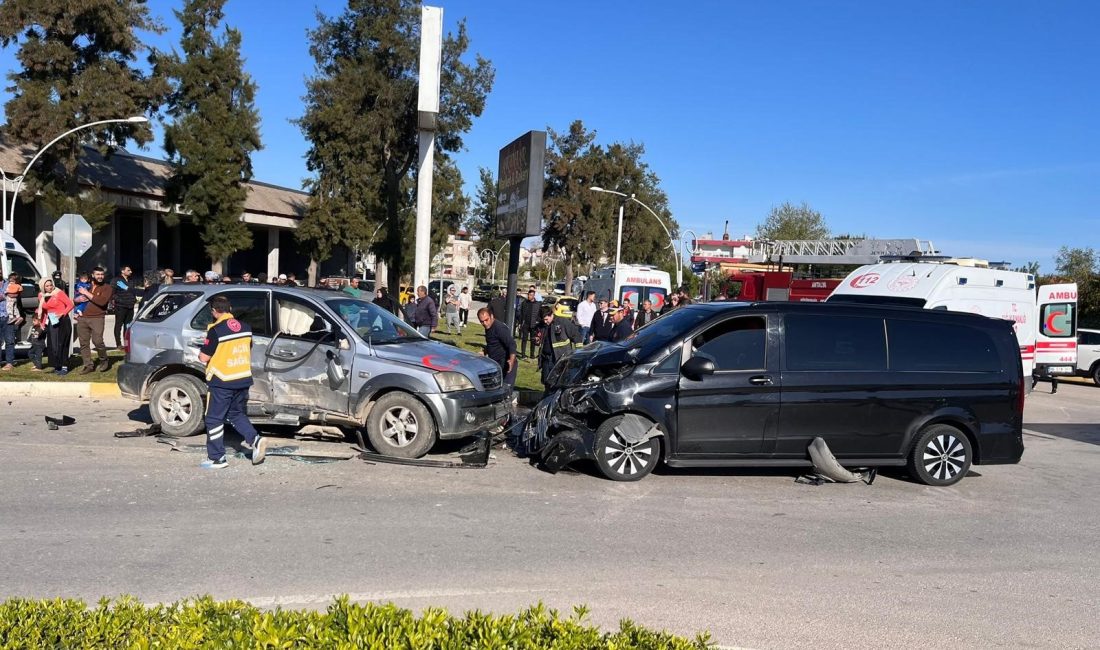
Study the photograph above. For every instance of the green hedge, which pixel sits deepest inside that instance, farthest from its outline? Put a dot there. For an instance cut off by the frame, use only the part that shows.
(206, 623)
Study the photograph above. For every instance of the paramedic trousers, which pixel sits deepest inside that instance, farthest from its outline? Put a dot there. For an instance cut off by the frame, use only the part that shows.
(226, 405)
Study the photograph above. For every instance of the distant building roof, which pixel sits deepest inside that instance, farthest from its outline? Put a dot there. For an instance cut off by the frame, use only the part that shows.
(132, 174)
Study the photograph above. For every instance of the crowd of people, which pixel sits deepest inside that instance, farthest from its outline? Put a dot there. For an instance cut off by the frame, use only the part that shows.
(544, 334)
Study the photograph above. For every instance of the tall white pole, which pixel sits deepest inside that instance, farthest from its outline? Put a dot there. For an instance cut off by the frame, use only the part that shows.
(424, 209)
(431, 43)
(619, 240)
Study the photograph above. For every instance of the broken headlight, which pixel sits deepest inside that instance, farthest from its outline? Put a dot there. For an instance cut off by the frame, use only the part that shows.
(450, 382)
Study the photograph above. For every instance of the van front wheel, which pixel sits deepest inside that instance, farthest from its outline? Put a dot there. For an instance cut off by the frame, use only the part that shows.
(620, 459)
(941, 456)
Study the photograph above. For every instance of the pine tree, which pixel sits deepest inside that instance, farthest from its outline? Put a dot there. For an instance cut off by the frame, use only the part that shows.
(361, 123)
(571, 218)
(215, 128)
(78, 66)
(481, 222)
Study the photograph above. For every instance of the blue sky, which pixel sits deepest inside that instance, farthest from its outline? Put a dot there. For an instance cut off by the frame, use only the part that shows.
(972, 124)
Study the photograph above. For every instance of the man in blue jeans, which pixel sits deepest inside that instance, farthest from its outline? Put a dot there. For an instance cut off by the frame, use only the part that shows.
(227, 353)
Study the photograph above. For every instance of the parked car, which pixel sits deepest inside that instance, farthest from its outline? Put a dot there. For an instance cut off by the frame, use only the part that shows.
(745, 384)
(318, 357)
(1088, 354)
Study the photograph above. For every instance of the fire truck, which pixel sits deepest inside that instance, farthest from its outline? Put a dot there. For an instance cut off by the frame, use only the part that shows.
(777, 286)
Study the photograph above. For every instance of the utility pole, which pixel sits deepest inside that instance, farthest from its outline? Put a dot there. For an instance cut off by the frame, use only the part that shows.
(431, 40)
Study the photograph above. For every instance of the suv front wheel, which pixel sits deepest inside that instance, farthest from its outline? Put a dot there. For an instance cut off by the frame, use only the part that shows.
(176, 405)
(401, 426)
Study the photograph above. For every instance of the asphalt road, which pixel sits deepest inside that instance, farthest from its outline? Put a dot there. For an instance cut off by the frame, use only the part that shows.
(1007, 558)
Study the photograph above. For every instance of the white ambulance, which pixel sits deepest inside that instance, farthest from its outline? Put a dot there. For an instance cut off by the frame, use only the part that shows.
(633, 282)
(1046, 320)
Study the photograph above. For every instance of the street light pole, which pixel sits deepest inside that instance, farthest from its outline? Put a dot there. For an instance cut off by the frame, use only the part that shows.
(619, 245)
(9, 221)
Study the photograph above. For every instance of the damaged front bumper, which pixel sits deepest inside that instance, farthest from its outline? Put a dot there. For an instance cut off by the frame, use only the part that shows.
(553, 438)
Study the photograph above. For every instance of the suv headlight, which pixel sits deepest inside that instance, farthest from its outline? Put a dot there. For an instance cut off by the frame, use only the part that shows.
(453, 381)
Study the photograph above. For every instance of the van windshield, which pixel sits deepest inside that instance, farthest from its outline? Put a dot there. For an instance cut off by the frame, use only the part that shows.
(665, 331)
(371, 322)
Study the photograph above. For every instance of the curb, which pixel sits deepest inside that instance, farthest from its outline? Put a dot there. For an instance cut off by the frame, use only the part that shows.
(59, 389)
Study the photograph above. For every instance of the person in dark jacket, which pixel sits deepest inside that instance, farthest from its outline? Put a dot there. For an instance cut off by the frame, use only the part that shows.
(600, 328)
(383, 300)
(646, 316)
(528, 322)
(499, 307)
(622, 326)
(499, 345)
(556, 337)
(125, 297)
(426, 313)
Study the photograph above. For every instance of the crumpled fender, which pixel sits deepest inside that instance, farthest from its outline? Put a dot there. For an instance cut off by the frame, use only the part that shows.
(827, 465)
(635, 429)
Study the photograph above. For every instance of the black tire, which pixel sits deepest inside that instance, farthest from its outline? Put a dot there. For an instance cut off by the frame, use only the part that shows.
(621, 461)
(401, 426)
(1096, 374)
(941, 456)
(176, 404)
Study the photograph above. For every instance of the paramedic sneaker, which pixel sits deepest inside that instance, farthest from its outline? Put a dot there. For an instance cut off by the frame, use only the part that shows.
(214, 464)
(259, 450)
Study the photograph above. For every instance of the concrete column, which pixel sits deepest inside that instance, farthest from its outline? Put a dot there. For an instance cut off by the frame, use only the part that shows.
(272, 252)
(46, 257)
(110, 260)
(150, 257)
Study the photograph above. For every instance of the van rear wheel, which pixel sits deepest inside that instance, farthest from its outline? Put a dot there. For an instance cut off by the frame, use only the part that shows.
(941, 456)
(1096, 374)
(176, 405)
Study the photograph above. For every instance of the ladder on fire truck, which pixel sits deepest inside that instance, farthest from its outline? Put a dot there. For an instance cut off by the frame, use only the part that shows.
(837, 251)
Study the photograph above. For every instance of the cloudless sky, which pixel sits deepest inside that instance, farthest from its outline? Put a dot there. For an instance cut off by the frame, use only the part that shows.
(972, 124)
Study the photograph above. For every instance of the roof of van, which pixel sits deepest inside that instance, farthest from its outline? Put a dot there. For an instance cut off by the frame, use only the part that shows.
(11, 244)
(923, 280)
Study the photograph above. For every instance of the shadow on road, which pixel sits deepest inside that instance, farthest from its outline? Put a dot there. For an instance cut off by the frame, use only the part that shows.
(1081, 432)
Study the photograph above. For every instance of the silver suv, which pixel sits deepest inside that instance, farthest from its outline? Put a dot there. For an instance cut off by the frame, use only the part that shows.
(318, 357)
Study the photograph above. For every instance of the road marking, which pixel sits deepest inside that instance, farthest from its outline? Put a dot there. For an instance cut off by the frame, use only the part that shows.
(267, 602)
(1044, 436)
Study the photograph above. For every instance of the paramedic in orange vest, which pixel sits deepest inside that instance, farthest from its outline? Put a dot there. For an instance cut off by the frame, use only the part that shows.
(227, 353)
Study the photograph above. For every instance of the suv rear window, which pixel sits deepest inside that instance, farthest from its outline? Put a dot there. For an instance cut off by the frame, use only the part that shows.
(246, 306)
(939, 347)
(164, 305)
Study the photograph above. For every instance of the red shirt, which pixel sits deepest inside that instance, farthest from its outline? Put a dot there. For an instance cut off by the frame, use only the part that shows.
(57, 304)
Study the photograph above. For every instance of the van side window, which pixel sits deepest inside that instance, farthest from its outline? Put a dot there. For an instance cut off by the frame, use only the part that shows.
(734, 344)
(939, 347)
(1088, 338)
(247, 306)
(820, 342)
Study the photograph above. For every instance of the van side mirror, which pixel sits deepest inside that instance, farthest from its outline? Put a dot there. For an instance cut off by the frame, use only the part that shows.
(697, 367)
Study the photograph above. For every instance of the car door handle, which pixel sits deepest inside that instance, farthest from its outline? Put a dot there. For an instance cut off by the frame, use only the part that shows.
(196, 342)
(282, 354)
(760, 380)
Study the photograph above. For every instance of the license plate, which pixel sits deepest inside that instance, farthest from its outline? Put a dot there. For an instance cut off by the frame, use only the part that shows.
(1060, 370)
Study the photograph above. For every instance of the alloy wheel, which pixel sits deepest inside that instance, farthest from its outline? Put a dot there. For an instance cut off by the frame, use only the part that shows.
(627, 458)
(400, 426)
(944, 457)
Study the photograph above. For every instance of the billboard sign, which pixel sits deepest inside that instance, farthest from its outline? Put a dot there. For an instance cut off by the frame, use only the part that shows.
(519, 186)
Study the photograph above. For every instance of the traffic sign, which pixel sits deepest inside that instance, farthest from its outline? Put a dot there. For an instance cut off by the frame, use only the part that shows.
(72, 235)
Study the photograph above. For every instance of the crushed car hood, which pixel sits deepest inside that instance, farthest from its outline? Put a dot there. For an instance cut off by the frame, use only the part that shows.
(437, 356)
(600, 356)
